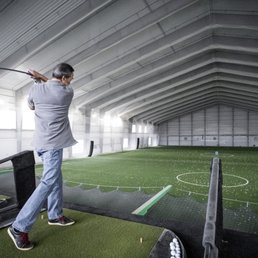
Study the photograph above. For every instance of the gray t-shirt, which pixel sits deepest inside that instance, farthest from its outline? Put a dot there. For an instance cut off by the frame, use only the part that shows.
(51, 101)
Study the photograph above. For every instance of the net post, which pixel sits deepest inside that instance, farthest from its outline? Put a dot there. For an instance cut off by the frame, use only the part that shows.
(91, 148)
(213, 229)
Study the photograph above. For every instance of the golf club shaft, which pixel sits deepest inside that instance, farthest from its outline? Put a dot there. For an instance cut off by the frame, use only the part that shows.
(14, 70)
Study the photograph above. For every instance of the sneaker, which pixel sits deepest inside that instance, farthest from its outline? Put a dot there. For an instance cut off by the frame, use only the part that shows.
(62, 221)
(20, 239)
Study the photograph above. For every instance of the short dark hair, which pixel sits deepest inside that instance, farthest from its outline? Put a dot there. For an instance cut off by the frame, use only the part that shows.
(62, 69)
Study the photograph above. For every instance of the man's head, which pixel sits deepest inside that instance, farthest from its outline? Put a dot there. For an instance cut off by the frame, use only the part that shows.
(64, 73)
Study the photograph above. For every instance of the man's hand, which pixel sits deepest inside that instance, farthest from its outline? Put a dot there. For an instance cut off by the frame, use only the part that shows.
(38, 76)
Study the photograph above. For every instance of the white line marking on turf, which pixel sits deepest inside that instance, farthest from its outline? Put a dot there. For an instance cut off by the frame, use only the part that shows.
(190, 183)
(116, 186)
(224, 198)
(239, 185)
(246, 182)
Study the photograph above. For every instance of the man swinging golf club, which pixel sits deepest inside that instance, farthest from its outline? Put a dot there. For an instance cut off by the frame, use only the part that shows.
(50, 99)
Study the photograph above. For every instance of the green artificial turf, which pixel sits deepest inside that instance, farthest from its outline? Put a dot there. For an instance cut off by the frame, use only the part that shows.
(91, 236)
(151, 169)
(186, 169)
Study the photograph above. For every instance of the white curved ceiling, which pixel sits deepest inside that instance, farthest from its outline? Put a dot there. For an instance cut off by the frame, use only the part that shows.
(145, 60)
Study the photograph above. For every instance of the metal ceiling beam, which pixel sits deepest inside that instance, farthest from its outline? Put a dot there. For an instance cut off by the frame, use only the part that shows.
(54, 32)
(169, 84)
(239, 59)
(165, 61)
(198, 28)
(188, 94)
(206, 103)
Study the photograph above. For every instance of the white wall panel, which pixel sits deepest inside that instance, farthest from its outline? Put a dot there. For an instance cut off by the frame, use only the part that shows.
(198, 123)
(215, 126)
(173, 127)
(185, 125)
(185, 140)
(225, 140)
(163, 129)
(8, 143)
(241, 141)
(27, 140)
(253, 141)
(240, 121)
(163, 140)
(212, 121)
(225, 120)
(173, 140)
(212, 140)
(253, 123)
(198, 140)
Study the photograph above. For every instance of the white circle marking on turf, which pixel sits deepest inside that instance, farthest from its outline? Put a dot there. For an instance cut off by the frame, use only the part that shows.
(190, 183)
(246, 182)
(239, 185)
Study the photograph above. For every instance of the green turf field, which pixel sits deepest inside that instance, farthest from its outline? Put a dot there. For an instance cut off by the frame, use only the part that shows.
(91, 236)
(185, 168)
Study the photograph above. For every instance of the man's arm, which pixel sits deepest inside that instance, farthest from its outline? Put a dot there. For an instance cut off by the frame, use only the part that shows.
(38, 76)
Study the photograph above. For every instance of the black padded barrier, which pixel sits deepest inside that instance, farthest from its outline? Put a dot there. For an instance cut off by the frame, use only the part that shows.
(24, 175)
